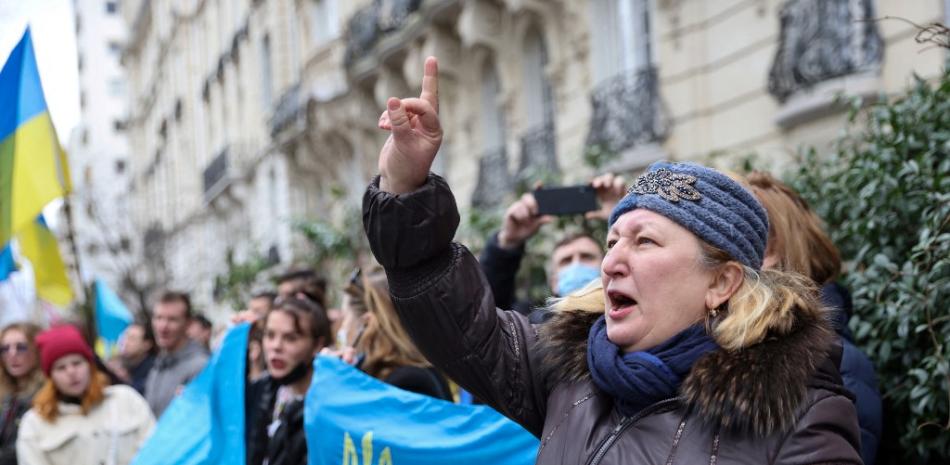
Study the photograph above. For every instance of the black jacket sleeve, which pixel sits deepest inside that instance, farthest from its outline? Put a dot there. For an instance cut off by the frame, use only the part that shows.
(446, 305)
(500, 267)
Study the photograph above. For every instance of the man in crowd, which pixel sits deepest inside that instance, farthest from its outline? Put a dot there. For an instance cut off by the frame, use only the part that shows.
(180, 359)
(137, 355)
(575, 259)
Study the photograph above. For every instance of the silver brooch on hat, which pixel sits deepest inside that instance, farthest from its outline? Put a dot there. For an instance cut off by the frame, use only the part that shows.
(667, 184)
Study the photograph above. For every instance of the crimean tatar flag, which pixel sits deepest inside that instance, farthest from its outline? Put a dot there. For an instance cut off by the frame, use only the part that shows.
(33, 168)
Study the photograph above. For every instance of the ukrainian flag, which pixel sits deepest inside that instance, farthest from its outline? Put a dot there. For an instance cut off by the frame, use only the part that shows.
(33, 168)
(38, 245)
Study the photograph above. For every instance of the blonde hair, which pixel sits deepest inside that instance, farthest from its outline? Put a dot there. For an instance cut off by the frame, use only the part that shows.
(796, 235)
(764, 304)
(384, 342)
(46, 401)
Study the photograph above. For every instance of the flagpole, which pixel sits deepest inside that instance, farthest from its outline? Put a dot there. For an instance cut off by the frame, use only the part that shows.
(87, 307)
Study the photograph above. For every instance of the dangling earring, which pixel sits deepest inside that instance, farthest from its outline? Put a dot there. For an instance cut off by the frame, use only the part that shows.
(714, 312)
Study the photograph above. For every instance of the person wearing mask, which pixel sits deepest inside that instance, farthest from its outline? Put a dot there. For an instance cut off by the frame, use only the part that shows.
(381, 347)
(20, 378)
(695, 354)
(574, 259)
(179, 359)
(798, 242)
(77, 418)
(294, 331)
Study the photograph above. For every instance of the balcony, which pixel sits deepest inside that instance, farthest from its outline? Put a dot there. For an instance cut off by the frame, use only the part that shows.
(373, 22)
(494, 182)
(822, 40)
(538, 154)
(216, 175)
(626, 112)
(290, 107)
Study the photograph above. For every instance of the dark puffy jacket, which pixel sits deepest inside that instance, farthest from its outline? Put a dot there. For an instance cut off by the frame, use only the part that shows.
(426, 381)
(288, 446)
(12, 409)
(857, 371)
(776, 402)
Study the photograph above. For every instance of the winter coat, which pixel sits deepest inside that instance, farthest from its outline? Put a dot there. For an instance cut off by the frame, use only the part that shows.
(857, 371)
(118, 425)
(776, 402)
(138, 374)
(171, 372)
(12, 408)
(288, 446)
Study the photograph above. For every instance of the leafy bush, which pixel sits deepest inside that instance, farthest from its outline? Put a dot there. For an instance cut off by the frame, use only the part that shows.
(885, 194)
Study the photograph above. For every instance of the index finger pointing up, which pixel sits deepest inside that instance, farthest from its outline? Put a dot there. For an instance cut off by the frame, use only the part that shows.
(430, 83)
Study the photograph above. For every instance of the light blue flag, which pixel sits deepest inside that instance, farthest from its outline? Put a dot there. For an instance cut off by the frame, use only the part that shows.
(112, 316)
(7, 264)
(354, 419)
(205, 424)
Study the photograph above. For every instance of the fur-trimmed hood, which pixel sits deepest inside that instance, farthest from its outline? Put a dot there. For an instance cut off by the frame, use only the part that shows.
(757, 389)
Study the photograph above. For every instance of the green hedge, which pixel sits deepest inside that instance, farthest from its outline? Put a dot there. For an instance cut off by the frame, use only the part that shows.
(885, 195)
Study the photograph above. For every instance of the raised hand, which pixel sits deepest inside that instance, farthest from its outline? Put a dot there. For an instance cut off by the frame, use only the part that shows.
(610, 191)
(415, 136)
(521, 222)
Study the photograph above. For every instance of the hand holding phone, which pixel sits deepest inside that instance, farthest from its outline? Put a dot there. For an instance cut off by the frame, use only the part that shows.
(566, 200)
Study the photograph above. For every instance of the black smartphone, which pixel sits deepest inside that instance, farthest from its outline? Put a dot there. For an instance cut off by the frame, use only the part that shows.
(566, 200)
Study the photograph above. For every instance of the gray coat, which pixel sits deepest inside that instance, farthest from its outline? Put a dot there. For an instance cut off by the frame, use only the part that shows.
(171, 372)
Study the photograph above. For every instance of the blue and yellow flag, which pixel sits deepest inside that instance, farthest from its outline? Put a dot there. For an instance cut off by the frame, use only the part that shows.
(38, 245)
(205, 424)
(33, 168)
(353, 419)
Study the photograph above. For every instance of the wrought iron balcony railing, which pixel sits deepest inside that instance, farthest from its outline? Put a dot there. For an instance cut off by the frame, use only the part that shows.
(627, 112)
(289, 106)
(822, 40)
(538, 154)
(215, 174)
(494, 182)
(369, 24)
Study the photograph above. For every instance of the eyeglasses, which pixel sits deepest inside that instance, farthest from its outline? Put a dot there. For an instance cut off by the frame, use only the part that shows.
(18, 348)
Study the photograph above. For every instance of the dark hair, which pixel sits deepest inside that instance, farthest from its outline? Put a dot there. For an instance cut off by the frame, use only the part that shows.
(571, 237)
(310, 283)
(319, 323)
(147, 333)
(269, 295)
(170, 297)
(202, 320)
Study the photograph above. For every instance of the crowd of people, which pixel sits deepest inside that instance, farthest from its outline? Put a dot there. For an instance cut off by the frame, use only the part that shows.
(707, 327)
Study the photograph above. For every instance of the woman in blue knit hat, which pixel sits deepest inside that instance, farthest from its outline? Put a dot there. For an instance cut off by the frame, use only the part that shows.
(685, 352)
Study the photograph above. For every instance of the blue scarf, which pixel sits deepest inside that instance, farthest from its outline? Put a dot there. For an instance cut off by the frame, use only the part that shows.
(639, 379)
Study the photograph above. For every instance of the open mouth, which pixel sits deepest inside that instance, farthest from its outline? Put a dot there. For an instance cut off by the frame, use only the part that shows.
(619, 300)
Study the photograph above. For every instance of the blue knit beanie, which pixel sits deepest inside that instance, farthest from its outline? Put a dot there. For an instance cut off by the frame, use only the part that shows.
(708, 203)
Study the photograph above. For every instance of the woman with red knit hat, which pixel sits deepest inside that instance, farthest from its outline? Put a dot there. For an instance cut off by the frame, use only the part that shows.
(77, 418)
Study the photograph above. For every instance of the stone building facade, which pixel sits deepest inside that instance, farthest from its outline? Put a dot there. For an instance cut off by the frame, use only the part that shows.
(248, 114)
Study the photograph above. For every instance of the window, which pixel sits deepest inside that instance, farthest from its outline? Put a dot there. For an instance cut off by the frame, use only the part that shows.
(125, 244)
(621, 37)
(118, 125)
(115, 47)
(538, 98)
(266, 85)
(492, 120)
(112, 7)
(324, 21)
(119, 166)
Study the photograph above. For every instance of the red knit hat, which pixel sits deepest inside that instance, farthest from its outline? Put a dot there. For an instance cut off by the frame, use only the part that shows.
(58, 342)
